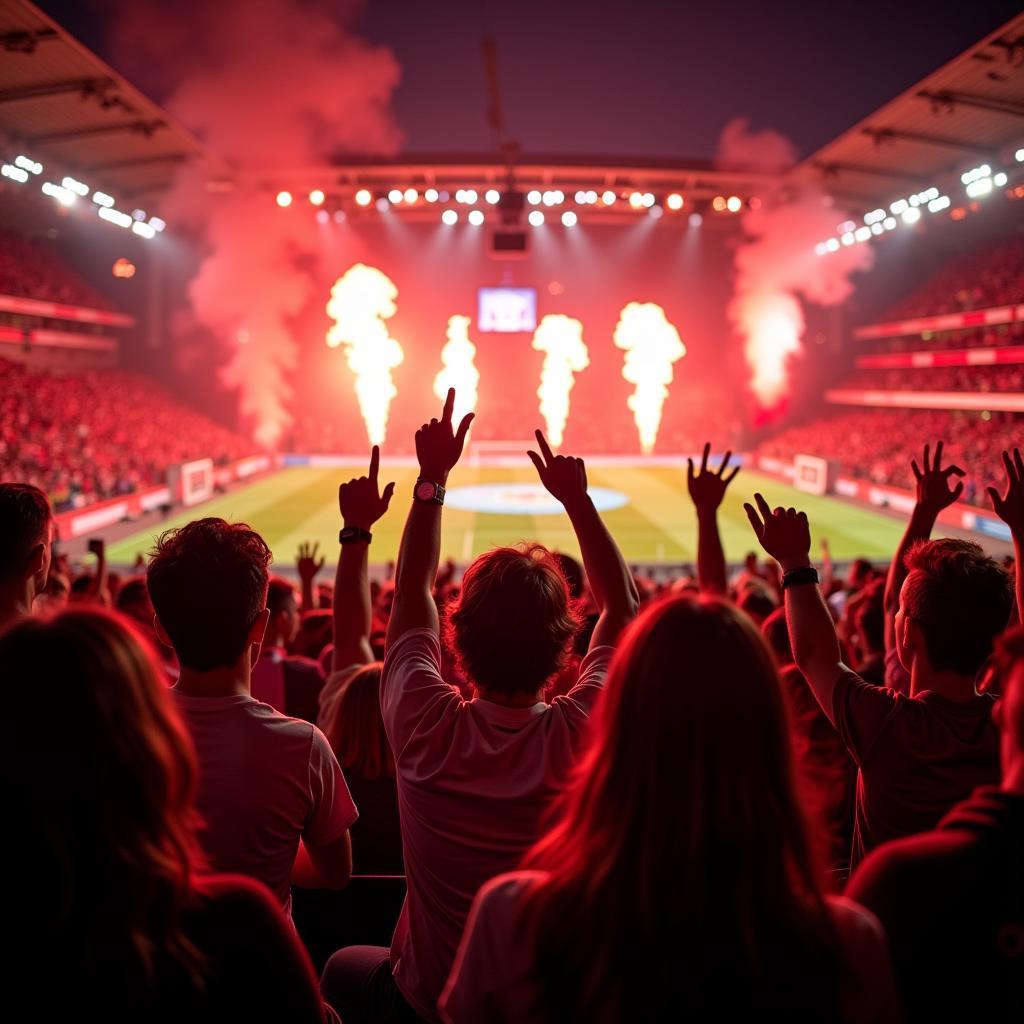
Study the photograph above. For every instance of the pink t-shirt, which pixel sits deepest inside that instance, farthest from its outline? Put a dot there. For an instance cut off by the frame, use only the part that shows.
(492, 977)
(474, 780)
(264, 781)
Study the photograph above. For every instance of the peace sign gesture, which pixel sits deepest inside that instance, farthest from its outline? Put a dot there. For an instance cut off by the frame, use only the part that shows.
(563, 476)
(438, 447)
(360, 500)
(707, 489)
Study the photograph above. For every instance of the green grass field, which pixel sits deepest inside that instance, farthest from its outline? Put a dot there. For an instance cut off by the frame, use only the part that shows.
(658, 525)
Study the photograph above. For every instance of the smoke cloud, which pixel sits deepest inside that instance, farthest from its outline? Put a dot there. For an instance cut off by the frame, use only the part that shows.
(776, 264)
(267, 85)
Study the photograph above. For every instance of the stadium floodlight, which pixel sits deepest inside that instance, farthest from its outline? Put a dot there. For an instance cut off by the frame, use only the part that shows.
(911, 215)
(874, 216)
(145, 230)
(431, 195)
(975, 174)
(608, 197)
(382, 205)
(718, 204)
(284, 198)
(476, 217)
(317, 197)
(492, 195)
(657, 212)
(450, 217)
(900, 206)
(648, 200)
(941, 203)
(28, 164)
(102, 199)
(979, 187)
(696, 220)
(533, 197)
(889, 223)
(569, 218)
(848, 238)
(536, 218)
(832, 245)
(1019, 156)
(122, 220)
(322, 217)
(364, 197)
(469, 196)
(157, 223)
(138, 214)
(734, 204)
(847, 225)
(411, 195)
(396, 195)
(14, 173)
(999, 180)
(64, 196)
(862, 234)
(820, 249)
(674, 201)
(73, 185)
(581, 198)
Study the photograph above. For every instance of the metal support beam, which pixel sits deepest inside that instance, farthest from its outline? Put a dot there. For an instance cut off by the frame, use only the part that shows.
(85, 86)
(834, 170)
(26, 40)
(884, 135)
(951, 100)
(141, 161)
(146, 128)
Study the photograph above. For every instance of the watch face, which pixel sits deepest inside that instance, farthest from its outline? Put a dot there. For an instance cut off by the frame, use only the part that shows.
(425, 490)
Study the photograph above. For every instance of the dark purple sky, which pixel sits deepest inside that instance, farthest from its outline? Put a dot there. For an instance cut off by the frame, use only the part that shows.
(643, 78)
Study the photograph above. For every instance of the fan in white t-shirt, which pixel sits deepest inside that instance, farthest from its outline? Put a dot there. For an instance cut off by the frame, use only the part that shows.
(272, 797)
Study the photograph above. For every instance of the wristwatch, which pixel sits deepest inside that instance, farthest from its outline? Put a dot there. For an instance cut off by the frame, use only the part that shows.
(799, 577)
(426, 490)
(353, 535)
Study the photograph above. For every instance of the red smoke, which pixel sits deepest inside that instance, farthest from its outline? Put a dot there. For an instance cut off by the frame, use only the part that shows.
(270, 85)
(776, 265)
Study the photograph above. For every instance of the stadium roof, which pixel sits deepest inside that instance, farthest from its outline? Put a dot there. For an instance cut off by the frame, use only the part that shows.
(61, 104)
(968, 112)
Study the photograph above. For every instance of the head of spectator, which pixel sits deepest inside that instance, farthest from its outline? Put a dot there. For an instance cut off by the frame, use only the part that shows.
(133, 600)
(208, 585)
(954, 602)
(776, 634)
(283, 625)
(1009, 711)
(672, 814)
(573, 573)
(757, 602)
(860, 571)
(316, 630)
(512, 624)
(356, 727)
(26, 528)
(113, 840)
(83, 589)
(869, 626)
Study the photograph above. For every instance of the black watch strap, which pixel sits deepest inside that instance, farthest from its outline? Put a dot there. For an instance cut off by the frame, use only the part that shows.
(353, 535)
(799, 577)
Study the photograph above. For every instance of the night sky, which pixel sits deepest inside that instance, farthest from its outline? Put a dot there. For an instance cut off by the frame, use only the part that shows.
(643, 78)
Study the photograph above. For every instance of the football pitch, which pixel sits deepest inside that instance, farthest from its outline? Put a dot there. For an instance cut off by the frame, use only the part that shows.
(654, 521)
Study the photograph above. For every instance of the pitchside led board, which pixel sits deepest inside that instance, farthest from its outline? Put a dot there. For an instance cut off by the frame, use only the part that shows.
(507, 310)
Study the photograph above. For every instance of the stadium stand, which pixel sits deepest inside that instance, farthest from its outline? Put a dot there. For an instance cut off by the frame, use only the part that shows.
(32, 270)
(103, 433)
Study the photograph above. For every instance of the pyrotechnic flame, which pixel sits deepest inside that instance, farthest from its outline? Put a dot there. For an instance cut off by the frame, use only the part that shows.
(561, 339)
(772, 325)
(361, 300)
(459, 370)
(652, 345)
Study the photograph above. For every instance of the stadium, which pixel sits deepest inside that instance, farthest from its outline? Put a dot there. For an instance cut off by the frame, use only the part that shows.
(225, 279)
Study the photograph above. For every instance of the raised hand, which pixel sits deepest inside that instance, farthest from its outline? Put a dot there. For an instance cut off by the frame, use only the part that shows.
(1010, 507)
(784, 533)
(361, 501)
(933, 485)
(306, 561)
(564, 476)
(438, 447)
(707, 489)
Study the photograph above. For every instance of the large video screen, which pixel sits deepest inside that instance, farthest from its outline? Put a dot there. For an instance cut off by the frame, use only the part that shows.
(507, 310)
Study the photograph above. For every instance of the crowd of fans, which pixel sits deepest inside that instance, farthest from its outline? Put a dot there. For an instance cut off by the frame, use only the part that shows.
(88, 436)
(31, 270)
(603, 798)
(1006, 377)
(995, 336)
(992, 275)
(878, 444)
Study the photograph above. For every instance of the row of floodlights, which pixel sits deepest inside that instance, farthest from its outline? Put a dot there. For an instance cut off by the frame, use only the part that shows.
(70, 190)
(535, 197)
(977, 182)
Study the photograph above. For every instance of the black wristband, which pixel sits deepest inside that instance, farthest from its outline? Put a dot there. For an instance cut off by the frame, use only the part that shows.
(798, 577)
(353, 535)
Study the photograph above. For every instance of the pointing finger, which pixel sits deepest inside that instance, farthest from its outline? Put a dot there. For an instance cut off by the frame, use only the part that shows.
(762, 506)
(704, 457)
(460, 434)
(449, 406)
(374, 462)
(545, 448)
(725, 463)
(755, 520)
